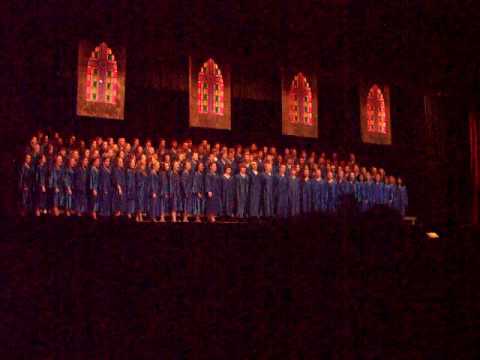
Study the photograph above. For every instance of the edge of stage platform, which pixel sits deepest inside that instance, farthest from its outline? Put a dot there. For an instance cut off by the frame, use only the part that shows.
(410, 220)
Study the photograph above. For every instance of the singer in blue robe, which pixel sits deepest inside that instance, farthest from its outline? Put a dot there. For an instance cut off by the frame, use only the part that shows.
(154, 194)
(293, 194)
(141, 187)
(362, 195)
(319, 195)
(80, 189)
(306, 195)
(199, 193)
(267, 194)
(342, 188)
(56, 186)
(403, 199)
(175, 192)
(213, 190)
(396, 202)
(68, 175)
(350, 188)
(187, 192)
(119, 189)
(41, 187)
(228, 195)
(388, 193)
(105, 190)
(241, 193)
(331, 196)
(281, 195)
(130, 191)
(378, 193)
(164, 192)
(93, 182)
(370, 193)
(25, 185)
(254, 193)
(358, 193)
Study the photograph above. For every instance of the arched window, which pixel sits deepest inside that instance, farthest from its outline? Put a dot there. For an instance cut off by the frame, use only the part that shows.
(102, 75)
(210, 98)
(376, 115)
(300, 101)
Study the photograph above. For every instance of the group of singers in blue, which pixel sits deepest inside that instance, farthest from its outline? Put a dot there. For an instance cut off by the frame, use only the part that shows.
(185, 182)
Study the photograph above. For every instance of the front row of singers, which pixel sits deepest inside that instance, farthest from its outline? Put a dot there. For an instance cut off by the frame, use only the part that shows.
(192, 191)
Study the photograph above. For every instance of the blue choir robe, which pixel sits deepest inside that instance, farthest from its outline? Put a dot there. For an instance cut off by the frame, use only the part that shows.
(306, 195)
(254, 194)
(105, 191)
(130, 190)
(378, 193)
(281, 196)
(358, 192)
(93, 186)
(331, 196)
(403, 199)
(213, 204)
(80, 189)
(119, 181)
(198, 190)
(187, 191)
(68, 175)
(40, 185)
(396, 201)
(26, 186)
(388, 191)
(164, 192)
(319, 195)
(267, 204)
(370, 194)
(56, 185)
(241, 194)
(175, 192)
(294, 195)
(361, 194)
(141, 188)
(342, 190)
(350, 188)
(228, 195)
(154, 194)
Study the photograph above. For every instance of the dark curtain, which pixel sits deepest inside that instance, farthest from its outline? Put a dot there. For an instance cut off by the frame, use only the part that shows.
(474, 128)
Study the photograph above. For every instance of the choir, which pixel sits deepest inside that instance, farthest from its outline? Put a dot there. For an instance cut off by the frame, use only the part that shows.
(107, 178)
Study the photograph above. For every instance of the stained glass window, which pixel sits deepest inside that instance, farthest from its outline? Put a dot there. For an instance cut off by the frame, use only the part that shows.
(102, 75)
(210, 96)
(300, 104)
(376, 115)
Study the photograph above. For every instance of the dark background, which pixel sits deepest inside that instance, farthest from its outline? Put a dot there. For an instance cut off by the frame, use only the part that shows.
(427, 51)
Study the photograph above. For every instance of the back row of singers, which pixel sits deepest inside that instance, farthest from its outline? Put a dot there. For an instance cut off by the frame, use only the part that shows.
(195, 189)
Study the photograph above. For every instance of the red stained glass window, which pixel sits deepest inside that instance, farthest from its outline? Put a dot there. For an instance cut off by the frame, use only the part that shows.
(102, 75)
(376, 115)
(210, 95)
(300, 101)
